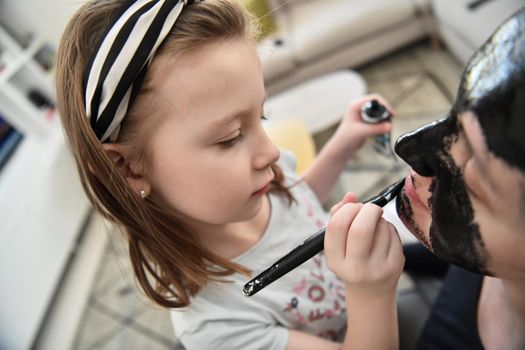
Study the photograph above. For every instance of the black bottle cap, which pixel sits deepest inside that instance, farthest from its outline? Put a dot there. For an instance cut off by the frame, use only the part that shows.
(374, 112)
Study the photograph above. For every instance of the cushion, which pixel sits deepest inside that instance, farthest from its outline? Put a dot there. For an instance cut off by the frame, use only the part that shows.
(322, 26)
(292, 134)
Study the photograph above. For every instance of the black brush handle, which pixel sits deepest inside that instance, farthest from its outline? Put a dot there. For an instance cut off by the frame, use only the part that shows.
(310, 247)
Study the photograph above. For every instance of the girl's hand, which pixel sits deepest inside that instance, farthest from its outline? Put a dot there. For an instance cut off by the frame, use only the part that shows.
(363, 249)
(352, 132)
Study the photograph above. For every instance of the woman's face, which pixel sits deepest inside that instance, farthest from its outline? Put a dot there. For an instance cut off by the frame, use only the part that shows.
(465, 196)
(460, 200)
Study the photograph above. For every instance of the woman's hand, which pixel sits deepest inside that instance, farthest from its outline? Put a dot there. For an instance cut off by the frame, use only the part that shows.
(363, 249)
(352, 132)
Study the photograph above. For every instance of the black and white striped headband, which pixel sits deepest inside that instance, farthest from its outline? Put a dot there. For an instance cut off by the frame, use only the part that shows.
(117, 68)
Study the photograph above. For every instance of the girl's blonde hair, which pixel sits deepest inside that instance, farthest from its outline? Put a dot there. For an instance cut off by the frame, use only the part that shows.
(168, 261)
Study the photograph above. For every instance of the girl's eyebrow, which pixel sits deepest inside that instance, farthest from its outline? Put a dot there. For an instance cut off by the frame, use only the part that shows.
(232, 117)
(217, 124)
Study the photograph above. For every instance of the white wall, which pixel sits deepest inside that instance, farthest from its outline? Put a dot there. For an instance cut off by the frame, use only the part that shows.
(47, 18)
(41, 226)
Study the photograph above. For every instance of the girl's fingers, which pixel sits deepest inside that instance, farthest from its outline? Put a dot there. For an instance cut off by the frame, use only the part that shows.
(381, 244)
(376, 129)
(337, 231)
(348, 198)
(395, 248)
(362, 232)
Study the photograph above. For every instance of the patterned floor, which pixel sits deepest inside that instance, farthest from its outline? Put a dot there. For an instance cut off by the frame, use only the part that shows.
(420, 83)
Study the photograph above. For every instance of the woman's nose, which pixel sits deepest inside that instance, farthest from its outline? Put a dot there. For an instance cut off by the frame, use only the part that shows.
(420, 148)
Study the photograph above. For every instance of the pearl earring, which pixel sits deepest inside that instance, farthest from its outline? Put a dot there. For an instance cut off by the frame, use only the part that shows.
(143, 193)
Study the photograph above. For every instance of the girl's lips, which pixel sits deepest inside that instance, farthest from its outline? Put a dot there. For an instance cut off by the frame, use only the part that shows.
(263, 190)
(410, 191)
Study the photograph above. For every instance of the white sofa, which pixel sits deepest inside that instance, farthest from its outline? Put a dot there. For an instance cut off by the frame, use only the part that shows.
(465, 24)
(318, 36)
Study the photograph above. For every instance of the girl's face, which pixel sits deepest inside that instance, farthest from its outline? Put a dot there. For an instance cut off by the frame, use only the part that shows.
(460, 200)
(210, 155)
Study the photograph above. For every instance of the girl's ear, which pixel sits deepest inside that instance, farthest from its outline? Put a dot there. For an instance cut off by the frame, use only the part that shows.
(121, 157)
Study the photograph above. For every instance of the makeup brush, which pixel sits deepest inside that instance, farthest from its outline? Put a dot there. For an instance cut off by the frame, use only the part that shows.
(310, 247)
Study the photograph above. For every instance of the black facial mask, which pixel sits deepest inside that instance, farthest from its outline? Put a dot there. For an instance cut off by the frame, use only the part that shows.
(454, 236)
(493, 87)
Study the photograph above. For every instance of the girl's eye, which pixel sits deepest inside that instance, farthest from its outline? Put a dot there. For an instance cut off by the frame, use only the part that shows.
(232, 142)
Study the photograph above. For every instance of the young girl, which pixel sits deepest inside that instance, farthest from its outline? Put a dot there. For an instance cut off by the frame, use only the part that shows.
(161, 102)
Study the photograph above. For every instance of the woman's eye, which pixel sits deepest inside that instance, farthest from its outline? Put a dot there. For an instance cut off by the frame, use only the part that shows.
(231, 142)
(264, 117)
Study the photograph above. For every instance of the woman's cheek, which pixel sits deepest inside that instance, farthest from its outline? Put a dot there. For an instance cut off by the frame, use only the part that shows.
(423, 219)
(472, 178)
(478, 191)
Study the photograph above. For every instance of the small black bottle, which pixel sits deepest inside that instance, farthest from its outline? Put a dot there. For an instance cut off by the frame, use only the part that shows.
(373, 112)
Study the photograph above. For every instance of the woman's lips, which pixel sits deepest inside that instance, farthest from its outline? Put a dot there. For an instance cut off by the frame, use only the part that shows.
(410, 191)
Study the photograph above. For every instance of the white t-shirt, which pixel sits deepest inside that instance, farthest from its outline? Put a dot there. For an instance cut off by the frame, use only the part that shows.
(310, 298)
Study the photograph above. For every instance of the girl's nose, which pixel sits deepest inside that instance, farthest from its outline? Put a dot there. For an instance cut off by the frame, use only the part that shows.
(266, 152)
(420, 148)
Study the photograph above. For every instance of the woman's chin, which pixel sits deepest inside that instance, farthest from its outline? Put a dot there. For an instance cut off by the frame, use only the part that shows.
(409, 218)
